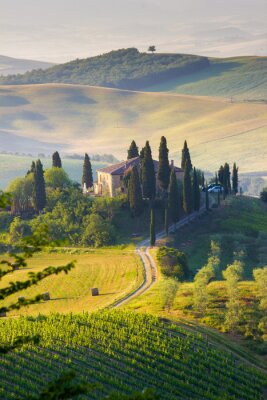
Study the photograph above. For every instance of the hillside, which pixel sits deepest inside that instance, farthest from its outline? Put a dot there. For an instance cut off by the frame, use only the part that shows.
(13, 66)
(74, 118)
(123, 352)
(125, 69)
(242, 78)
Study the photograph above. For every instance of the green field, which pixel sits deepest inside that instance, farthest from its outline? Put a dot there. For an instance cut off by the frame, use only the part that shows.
(124, 352)
(242, 78)
(13, 166)
(114, 272)
(111, 118)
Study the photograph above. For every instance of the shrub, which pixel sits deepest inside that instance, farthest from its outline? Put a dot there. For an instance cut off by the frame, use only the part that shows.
(173, 263)
(263, 195)
(5, 220)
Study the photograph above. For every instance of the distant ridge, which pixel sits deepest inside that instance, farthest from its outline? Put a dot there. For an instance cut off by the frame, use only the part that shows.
(123, 69)
(11, 66)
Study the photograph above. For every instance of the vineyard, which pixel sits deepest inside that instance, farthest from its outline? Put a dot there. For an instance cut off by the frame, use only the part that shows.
(122, 352)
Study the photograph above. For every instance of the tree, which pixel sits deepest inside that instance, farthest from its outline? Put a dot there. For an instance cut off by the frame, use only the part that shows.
(21, 190)
(87, 178)
(39, 194)
(196, 191)
(56, 160)
(186, 157)
(263, 195)
(148, 178)
(164, 167)
(207, 200)
(233, 274)
(220, 175)
(173, 263)
(97, 232)
(135, 193)
(235, 179)
(201, 281)
(187, 189)
(174, 198)
(133, 151)
(202, 179)
(31, 169)
(56, 178)
(226, 179)
(152, 49)
(152, 226)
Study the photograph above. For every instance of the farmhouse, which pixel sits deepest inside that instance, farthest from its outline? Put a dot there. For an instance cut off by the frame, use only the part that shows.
(110, 180)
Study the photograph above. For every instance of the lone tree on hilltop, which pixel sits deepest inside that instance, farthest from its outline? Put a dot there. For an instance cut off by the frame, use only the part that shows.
(56, 160)
(186, 157)
(87, 178)
(196, 191)
(152, 49)
(164, 167)
(187, 189)
(174, 198)
(39, 195)
(135, 193)
(148, 178)
(133, 151)
(235, 179)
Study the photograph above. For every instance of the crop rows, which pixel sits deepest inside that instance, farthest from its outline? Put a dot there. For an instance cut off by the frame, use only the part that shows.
(122, 352)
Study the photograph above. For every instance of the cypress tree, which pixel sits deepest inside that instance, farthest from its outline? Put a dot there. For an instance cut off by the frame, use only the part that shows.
(164, 167)
(207, 198)
(235, 179)
(32, 169)
(187, 189)
(56, 160)
(152, 226)
(87, 177)
(186, 157)
(216, 179)
(133, 151)
(174, 198)
(202, 179)
(196, 191)
(148, 178)
(135, 193)
(39, 195)
(226, 179)
(221, 174)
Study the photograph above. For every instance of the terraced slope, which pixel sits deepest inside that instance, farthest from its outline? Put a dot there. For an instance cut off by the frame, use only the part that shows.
(82, 118)
(123, 352)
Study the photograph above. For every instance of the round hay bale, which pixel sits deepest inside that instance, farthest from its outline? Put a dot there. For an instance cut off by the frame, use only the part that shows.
(46, 296)
(21, 298)
(95, 292)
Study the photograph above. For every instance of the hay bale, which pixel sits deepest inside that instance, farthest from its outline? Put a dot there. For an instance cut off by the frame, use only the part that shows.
(21, 298)
(46, 296)
(95, 292)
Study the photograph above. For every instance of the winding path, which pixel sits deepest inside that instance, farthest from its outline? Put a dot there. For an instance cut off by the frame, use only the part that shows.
(150, 268)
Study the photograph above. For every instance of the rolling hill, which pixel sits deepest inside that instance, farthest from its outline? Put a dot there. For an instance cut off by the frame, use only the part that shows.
(12, 66)
(77, 118)
(243, 78)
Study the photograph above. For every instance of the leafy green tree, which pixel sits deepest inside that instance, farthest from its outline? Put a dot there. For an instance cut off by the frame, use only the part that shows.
(200, 293)
(56, 178)
(233, 274)
(148, 178)
(39, 193)
(97, 232)
(135, 193)
(163, 167)
(235, 179)
(133, 151)
(152, 226)
(18, 229)
(22, 190)
(187, 189)
(152, 49)
(87, 178)
(56, 160)
(173, 263)
(196, 191)
(174, 200)
(186, 157)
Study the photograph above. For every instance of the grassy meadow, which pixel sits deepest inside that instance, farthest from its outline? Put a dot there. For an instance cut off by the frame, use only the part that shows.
(82, 118)
(115, 272)
(242, 78)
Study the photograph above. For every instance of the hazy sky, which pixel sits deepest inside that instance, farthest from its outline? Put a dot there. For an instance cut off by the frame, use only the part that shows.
(61, 30)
